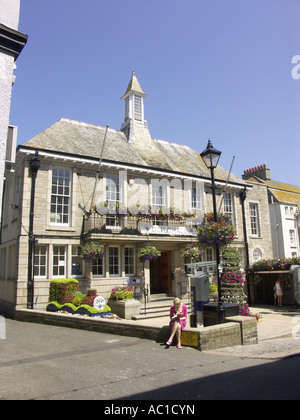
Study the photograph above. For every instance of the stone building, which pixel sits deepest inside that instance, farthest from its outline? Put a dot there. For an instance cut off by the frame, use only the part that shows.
(64, 173)
(11, 44)
(284, 208)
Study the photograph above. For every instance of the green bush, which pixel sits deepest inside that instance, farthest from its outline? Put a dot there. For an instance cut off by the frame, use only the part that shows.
(77, 301)
(213, 288)
(74, 309)
(94, 311)
(121, 293)
(60, 289)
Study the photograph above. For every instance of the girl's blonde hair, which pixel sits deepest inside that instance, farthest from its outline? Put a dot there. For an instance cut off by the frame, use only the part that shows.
(176, 301)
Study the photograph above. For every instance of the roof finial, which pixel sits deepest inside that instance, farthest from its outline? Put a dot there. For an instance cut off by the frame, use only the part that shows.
(133, 69)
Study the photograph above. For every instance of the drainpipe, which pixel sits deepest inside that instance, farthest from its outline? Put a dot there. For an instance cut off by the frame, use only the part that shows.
(34, 165)
(243, 196)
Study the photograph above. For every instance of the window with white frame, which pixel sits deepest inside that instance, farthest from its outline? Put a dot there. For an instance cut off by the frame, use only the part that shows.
(114, 261)
(98, 267)
(129, 261)
(257, 254)
(59, 261)
(254, 219)
(76, 261)
(228, 207)
(158, 194)
(40, 260)
(112, 188)
(209, 254)
(286, 211)
(292, 237)
(60, 196)
(197, 198)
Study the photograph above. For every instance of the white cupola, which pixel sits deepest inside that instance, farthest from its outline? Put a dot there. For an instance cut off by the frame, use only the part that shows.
(134, 103)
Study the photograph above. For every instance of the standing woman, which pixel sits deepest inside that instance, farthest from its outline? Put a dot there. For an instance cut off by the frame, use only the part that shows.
(178, 316)
(278, 292)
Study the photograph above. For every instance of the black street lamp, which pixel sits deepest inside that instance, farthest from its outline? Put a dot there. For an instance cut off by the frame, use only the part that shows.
(34, 165)
(211, 158)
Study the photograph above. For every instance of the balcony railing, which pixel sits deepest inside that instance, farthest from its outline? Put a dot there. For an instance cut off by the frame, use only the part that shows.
(132, 225)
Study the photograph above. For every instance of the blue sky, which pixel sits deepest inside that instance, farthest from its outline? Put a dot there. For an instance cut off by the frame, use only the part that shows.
(212, 69)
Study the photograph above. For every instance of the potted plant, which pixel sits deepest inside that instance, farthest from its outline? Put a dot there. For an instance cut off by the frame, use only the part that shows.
(192, 253)
(148, 253)
(213, 292)
(92, 252)
(211, 232)
(122, 303)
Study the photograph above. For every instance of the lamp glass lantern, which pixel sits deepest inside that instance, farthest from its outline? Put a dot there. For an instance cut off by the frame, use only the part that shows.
(211, 156)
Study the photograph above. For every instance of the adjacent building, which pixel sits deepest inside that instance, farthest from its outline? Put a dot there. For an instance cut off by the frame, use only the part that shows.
(284, 209)
(76, 182)
(11, 44)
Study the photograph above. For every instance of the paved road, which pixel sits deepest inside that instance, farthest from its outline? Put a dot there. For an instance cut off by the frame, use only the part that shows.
(55, 363)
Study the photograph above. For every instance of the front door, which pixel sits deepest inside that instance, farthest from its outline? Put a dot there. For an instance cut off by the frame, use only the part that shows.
(161, 274)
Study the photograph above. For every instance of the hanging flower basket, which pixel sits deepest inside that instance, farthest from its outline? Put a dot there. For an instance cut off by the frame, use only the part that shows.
(212, 233)
(191, 254)
(92, 252)
(148, 253)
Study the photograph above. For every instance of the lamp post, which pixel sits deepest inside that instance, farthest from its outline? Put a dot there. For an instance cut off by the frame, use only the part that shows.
(34, 165)
(211, 158)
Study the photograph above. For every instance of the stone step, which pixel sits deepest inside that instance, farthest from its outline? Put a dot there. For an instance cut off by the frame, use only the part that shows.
(158, 307)
(150, 315)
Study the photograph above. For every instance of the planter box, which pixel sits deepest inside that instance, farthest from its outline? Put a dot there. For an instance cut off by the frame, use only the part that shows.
(125, 309)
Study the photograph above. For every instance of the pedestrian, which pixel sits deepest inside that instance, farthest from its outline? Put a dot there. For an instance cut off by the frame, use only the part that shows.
(178, 317)
(278, 292)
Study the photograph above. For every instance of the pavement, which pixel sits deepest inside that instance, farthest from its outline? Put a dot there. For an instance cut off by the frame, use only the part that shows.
(278, 333)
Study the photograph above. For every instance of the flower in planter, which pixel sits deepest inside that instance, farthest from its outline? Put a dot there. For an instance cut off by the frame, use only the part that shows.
(148, 253)
(121, 293)
(193, 253)
(111, 208)
(212, 233)
(92, 252)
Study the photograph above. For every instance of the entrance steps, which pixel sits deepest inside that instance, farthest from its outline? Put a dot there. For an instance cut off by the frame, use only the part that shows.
(158, 307)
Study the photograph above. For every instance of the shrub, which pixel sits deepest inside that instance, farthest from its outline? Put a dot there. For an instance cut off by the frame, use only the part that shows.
(213, 288)
(53, 307)
(91, 310)
(92, 292)
(88, 300)
(60, 289)
(77, 301)
(68, 307)
(70, 298)
(121, 293)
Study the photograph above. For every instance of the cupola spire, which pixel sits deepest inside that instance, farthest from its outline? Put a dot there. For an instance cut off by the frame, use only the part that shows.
(134, 103)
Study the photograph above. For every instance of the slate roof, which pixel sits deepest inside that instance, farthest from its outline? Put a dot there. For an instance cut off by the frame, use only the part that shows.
(134, 86)
(84, 139)
(282, 192)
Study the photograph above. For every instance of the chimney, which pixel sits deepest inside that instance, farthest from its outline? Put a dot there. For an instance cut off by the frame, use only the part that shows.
(260, 171)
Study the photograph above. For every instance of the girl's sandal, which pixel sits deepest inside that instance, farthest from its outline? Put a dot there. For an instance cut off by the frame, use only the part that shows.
(168, 343)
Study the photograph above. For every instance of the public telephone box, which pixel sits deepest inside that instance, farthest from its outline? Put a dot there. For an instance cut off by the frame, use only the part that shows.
(199, 296)
(295, 278)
